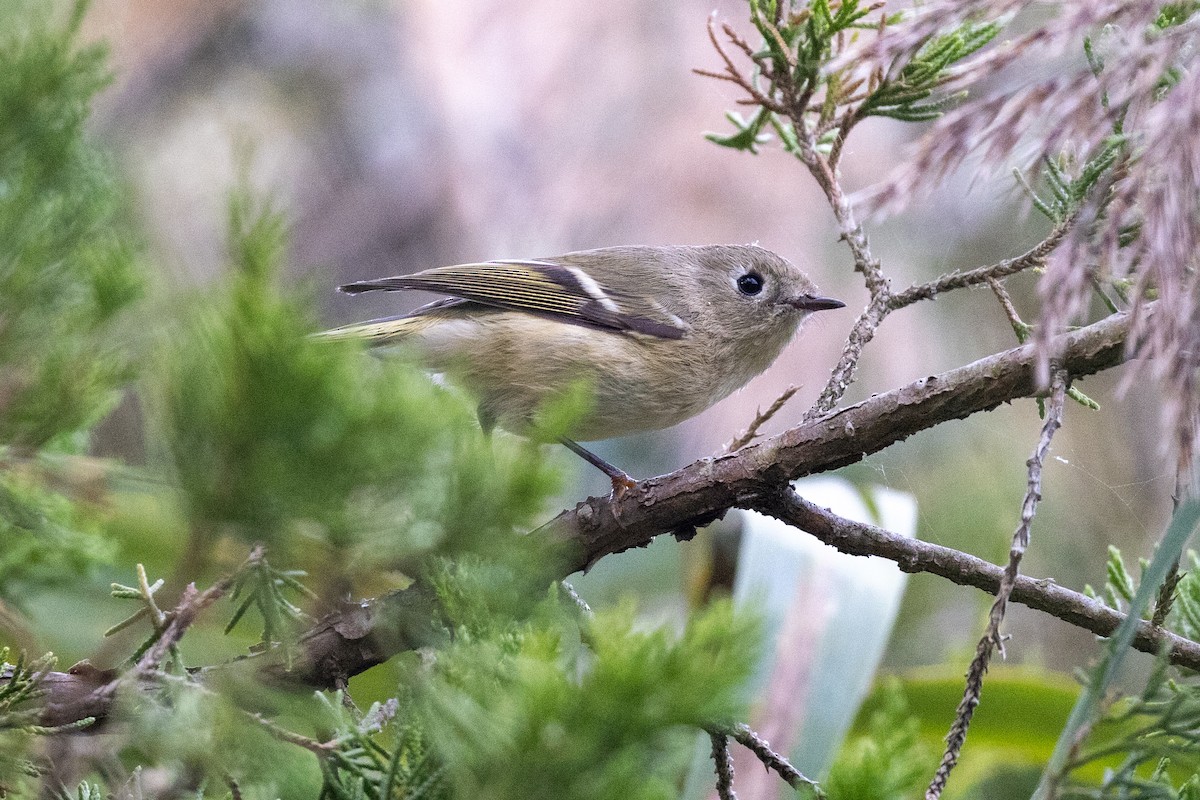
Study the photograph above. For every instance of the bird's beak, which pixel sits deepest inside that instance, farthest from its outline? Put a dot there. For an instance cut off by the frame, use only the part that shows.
(808, 302)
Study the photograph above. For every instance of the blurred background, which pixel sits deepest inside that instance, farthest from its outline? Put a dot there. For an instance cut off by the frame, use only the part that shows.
(409, 134)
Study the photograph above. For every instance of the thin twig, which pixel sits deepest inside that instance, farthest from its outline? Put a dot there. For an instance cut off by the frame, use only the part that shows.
(723, 763)
(737, 41)
(992, 639)
(1019, 326)
(877, 283)
(148, 596)
(782, 45)
(1034, 257)
(839, 141)
(823, 169)
(793, 103)
(848, 226)
(760, 419)
(843, 372)
(773, 761)
(732, 73)
(186, 611)
(964, 569)
(178, 620)
(320, 749)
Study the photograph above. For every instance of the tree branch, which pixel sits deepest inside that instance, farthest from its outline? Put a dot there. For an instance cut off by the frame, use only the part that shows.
(762, 418)
(772, 760)
(362, 635)
(913, 555)
(992, 640)
(723, 765)
(1034, 257)
(706, 489)
(368, 633)
(842, 374)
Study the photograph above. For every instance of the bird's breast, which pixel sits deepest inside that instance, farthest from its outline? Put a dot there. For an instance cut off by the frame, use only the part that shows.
(516, 363)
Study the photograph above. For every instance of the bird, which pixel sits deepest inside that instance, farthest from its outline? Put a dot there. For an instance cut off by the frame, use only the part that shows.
(656, 334)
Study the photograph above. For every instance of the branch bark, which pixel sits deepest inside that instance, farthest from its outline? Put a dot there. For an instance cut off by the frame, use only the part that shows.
(756, 477)
(992, 640)
(706, 489)
(964, 569)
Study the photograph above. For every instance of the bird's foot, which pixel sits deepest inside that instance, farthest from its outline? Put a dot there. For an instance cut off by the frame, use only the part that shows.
(621, 484)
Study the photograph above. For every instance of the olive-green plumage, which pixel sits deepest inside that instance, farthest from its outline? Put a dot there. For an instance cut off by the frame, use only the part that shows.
(658, 334)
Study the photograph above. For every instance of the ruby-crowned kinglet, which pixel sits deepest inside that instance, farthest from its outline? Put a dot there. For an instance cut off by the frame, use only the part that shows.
(657, 334)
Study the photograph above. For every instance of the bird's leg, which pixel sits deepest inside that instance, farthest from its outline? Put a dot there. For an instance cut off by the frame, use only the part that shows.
(621, 482)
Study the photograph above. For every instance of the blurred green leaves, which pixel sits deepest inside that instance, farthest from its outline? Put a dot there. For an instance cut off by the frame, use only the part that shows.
(530, 715)
(47, 538)
(67, 271)
(893, 749)
(889, 760)
(359, 766)
(67, 266)
(259, 433)
(265, 426)
(1092, 702)
(273, 433)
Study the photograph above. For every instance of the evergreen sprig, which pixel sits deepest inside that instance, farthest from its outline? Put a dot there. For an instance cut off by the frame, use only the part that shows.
(67, 264)
(1186, 612)
(21, 685)
(1068, 187)
(1093, 703)
(260, 586)
(267, 427)
(360, 765)
(1119, 585)
(271, 432)
(20, 716)
(49, 540)
(907, 96)
(615, 720)
(1152, 739)
(888, 761)
(801, 87)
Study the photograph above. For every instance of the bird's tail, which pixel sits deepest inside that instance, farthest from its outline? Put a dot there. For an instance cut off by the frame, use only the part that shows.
(388, 330)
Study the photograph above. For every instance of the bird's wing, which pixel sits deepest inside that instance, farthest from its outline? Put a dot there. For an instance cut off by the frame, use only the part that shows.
(547, 288)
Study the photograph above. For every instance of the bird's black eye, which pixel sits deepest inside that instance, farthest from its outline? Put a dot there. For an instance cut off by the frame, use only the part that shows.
(750, 284)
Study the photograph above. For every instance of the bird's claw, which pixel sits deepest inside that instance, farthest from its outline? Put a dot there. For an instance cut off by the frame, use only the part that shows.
(621, 484)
